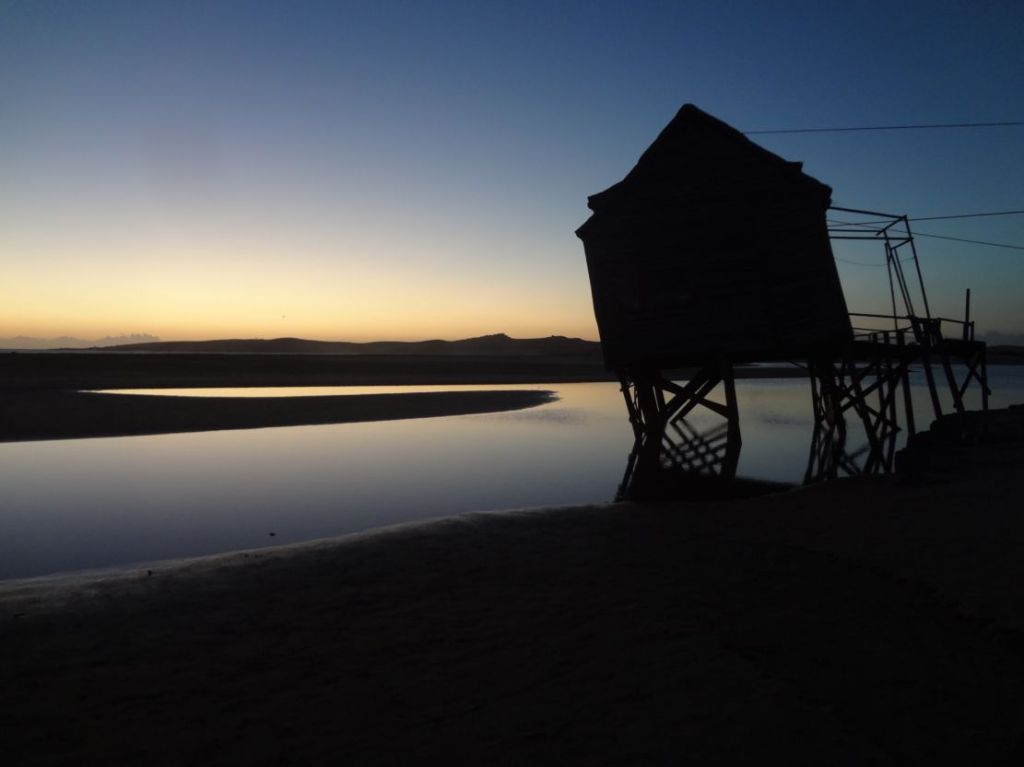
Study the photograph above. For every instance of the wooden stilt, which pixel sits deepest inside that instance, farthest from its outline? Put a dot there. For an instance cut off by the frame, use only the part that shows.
(665, 442)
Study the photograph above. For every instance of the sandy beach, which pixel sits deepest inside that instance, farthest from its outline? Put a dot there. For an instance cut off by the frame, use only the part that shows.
(870, 620)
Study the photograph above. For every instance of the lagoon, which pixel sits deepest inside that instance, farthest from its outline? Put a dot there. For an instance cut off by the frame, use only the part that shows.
(89, 503)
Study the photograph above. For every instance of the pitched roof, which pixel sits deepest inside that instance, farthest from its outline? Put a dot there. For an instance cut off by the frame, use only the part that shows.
(698, 157)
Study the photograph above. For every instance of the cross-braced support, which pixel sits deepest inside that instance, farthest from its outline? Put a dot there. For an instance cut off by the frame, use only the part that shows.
(665, 442)
(870, 385)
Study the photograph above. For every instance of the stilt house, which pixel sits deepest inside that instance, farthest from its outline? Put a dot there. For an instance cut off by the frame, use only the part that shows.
(712, 248)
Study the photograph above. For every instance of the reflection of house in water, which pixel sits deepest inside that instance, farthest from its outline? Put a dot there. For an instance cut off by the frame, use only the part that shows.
(713, 251)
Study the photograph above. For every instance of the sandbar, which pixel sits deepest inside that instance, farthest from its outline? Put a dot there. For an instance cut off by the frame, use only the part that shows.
(56, 414)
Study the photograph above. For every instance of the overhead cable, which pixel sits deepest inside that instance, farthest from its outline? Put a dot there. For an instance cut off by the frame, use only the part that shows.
(932, 126)
(862, 224)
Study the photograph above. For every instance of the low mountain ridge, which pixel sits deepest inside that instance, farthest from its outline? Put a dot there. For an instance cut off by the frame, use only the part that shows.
(498, 344)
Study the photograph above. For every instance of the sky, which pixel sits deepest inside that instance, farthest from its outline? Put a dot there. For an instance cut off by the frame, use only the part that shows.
(402, 170)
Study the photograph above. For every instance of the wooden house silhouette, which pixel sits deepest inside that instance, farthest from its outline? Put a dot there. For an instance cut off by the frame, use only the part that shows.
(712, 248)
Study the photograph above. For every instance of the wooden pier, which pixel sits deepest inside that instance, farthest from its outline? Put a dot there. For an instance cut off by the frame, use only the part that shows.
(868, 380)
(712, 252)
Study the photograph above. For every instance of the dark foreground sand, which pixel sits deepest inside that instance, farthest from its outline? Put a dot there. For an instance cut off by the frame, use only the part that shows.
(866, 621)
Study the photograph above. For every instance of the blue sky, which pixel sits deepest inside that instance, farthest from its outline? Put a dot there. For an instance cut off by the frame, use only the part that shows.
(412, 170)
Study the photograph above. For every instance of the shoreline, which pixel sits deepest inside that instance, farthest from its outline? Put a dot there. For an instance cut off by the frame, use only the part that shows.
(871, 619)
(65, 585)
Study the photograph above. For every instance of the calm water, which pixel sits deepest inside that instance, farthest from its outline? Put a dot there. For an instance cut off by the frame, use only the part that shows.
(75, 504)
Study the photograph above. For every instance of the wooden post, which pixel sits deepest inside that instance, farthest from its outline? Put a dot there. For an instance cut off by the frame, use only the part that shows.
(908, 402)
(967, 317)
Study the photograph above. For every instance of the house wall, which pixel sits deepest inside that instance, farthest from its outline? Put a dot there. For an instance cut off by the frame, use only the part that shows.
(745, 282)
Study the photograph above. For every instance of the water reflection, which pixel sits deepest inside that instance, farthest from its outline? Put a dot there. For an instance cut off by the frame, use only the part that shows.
(831, 456)
(319, 391)
(698, 456)
(689, 464)
(97, 502)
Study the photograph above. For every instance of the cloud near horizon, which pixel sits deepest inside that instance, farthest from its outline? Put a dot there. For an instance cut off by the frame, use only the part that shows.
(70, 342)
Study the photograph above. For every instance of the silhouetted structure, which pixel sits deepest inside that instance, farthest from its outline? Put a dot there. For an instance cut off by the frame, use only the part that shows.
(871, 375)
(712, 245)
(714, 251)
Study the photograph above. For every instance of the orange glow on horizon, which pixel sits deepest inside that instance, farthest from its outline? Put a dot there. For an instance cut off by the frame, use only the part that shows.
(199, 304)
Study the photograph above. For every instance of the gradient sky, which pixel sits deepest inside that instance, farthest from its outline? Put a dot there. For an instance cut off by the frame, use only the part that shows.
(399, 170)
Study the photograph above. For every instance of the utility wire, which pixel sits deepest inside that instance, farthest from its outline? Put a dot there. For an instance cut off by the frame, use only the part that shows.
(968, 215)
(857, 263)
(945, 218)
(862, 263)
(834, 222)
(933, 126)
(973, 242)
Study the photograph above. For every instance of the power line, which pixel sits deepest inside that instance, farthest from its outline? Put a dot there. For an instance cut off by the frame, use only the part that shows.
(933, 236)
(862, 263)
(857, 263)
(969, 215)
(932, 126)
(945, 218)
(973, 242)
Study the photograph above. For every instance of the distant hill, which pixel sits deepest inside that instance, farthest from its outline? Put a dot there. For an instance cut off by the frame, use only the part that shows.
(498, 344)
(70, 342)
